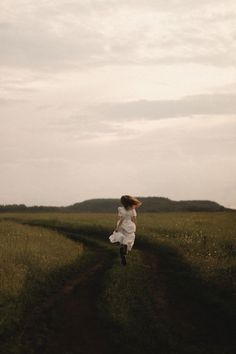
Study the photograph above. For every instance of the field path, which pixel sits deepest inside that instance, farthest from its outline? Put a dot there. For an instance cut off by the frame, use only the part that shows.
(166, 307)
(70, 317)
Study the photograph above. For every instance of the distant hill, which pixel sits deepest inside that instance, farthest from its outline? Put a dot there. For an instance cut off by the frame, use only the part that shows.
(109, 205)
(150, 204)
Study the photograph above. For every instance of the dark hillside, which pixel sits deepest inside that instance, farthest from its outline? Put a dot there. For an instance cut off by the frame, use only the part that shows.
(150, 204)
(109, 205)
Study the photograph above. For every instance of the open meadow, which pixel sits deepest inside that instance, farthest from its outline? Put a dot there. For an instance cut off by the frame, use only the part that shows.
(63, 289)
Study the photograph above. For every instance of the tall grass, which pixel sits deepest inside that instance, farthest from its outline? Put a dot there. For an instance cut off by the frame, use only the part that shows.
(206, 240)
(32, 261)
(195, 255)
(134, 317)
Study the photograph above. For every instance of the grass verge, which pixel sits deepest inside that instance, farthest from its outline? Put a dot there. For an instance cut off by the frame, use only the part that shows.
(34, 262)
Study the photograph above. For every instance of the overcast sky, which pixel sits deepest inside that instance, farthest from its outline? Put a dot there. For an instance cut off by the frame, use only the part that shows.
(102, 98)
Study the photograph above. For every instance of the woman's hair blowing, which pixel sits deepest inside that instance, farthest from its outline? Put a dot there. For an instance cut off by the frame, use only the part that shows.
(128, 201)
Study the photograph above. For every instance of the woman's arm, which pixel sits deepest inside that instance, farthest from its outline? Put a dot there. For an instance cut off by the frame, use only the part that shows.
(133, 218)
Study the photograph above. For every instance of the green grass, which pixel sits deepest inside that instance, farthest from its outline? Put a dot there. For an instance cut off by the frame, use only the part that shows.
(33, 261)
(206, 240)
(134, 319)
(177, 293)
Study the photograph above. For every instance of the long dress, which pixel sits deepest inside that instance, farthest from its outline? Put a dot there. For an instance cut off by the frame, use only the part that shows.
(126, 233)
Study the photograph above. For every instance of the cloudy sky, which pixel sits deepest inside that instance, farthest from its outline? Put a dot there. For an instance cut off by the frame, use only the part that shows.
(102, 98)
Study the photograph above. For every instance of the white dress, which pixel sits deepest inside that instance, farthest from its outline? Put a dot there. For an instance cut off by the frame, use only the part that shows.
(126, 233)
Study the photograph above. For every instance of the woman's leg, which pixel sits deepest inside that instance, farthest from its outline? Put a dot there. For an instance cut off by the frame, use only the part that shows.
(122, 255)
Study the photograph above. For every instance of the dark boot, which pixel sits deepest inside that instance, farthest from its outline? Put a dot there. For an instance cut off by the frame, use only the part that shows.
(122, 255)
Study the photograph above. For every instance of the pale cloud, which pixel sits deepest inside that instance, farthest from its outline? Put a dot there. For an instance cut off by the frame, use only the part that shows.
(187, 106)
(105, 97)
(71, 90)
(56, 35)
(182, 158)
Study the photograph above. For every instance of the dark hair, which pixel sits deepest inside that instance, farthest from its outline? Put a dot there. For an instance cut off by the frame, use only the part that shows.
(128, 201)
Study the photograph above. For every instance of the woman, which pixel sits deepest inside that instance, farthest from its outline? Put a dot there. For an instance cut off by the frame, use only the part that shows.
(124, 232)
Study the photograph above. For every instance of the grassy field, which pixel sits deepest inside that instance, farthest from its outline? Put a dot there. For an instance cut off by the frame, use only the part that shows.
(206, 240)
(33, 261)
(176, 294)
